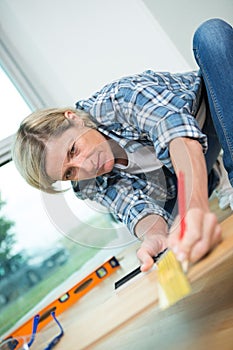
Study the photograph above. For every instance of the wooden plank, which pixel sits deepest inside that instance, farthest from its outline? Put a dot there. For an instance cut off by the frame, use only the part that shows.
(131, 317)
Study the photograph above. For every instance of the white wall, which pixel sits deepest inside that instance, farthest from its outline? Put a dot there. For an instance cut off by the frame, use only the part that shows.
(66, 50)
(180, 18)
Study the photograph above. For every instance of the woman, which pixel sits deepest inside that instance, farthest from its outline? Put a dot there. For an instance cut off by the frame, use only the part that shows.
(124, 146)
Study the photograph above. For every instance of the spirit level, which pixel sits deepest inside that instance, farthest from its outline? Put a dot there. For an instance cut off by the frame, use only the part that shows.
(69, 298)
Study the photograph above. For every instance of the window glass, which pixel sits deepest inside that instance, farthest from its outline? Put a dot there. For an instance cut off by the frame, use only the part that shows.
(31, 249)
(13, 107)
(36, 256)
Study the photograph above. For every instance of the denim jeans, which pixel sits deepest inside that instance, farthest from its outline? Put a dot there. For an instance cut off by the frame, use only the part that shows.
(213, 51)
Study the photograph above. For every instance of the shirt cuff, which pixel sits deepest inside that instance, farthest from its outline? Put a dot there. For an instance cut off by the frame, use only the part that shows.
(156, 210)
(172, 127)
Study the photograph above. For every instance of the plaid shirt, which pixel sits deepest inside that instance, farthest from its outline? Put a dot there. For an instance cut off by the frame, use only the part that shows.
(144, 109)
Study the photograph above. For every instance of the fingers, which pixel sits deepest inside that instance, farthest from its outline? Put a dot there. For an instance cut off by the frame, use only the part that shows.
(146, 259)
(210, 238)
(150, 248)
(202, 234)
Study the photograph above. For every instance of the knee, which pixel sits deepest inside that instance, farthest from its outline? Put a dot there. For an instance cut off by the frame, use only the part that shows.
(211, 33)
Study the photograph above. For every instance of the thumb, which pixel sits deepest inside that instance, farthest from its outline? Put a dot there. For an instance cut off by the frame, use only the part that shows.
(145, 258)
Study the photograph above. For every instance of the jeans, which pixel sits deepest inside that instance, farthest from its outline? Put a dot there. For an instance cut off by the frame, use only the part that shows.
(213, 51)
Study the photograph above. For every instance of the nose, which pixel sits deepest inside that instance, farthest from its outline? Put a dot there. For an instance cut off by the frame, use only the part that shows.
(82, 163)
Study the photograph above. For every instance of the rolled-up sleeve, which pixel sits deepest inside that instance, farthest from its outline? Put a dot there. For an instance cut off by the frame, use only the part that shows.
(171, 127)
(161, 116)
(131, 207)
(127, 197)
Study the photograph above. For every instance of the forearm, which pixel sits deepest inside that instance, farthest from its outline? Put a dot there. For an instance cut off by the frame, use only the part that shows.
(202, 231)
(150, 225)
(187, 156)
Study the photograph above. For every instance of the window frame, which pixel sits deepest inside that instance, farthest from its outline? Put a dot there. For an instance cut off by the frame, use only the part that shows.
(19, 78)
(5, 150)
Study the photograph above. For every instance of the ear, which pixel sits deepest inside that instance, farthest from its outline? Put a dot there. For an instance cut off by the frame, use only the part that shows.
(73, 116)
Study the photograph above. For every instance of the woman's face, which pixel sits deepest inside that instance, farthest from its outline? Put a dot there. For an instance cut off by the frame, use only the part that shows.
(79, 153)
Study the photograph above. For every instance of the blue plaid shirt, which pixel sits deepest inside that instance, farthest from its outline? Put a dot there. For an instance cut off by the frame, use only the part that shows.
(144, 109)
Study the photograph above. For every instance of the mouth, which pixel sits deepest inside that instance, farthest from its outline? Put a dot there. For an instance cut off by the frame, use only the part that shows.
(98, 162)
(98, 165)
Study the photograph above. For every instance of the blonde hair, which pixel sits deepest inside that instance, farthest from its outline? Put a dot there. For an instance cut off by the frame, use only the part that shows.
(29, 147)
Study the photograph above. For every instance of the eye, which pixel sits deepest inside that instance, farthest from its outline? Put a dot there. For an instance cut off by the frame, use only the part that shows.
(72, 150)
(68, 174)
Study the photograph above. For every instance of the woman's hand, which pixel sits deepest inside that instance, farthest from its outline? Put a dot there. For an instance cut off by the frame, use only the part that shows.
(202, 234)
(151, 246)
(153, 231)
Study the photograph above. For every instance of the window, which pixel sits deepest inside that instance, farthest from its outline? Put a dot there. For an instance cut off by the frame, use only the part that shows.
(29, 252)
(13, 107)
(35, 257)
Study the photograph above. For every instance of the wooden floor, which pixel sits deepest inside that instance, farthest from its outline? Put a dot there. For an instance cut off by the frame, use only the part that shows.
(130, 319)
(221, 214)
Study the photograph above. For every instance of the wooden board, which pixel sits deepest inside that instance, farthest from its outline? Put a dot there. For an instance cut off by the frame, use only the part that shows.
(131, 318)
